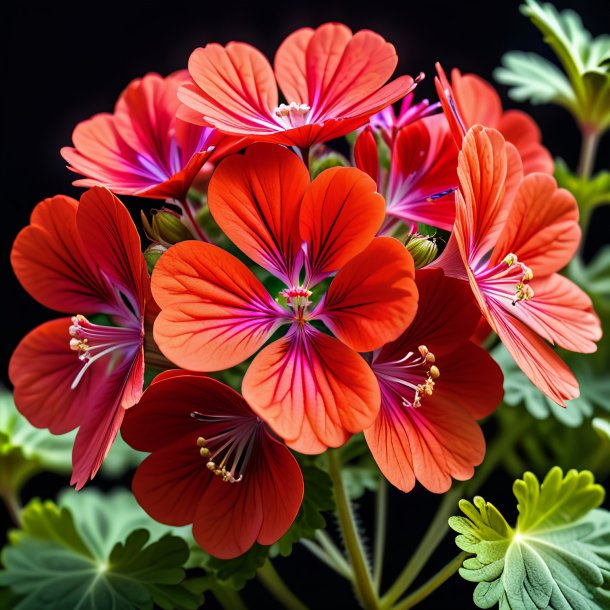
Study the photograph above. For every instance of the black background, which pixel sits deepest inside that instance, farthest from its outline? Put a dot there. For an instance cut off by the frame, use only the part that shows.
(63, 62)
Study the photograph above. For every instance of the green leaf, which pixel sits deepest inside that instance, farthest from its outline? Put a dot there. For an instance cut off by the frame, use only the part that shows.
(92, 551)
(584, 89)
(317, 499)
(589, 193)
(535, 79)
(235, 573)
(558, 556)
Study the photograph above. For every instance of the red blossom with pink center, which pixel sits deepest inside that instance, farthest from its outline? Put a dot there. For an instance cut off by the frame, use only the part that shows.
(212, 463)
(313, 389)
(142, 148)
(82, 258)
(512, 235)
(332, 80)
(435, 383)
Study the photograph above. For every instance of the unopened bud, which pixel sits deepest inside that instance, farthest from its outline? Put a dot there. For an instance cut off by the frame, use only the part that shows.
(152, 255)
(166, 228)
(423, 249)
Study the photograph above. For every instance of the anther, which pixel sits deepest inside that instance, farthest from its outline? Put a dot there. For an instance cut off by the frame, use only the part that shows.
(434, 372)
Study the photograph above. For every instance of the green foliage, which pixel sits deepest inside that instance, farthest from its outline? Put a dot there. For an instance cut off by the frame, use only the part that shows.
(584, 86)
(235, 573)
(326, 160)
(558, 556)
(96, 551)
(317, 499)
(589, 192)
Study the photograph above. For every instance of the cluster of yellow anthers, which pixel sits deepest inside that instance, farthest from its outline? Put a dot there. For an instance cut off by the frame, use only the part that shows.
(218, 469)
(427, 387)
(523, 291)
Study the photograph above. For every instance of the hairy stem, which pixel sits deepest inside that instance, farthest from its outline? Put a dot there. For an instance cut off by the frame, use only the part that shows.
(334, 553)
(433, 584)
(272, 581)
(355, 551)
(381, 510)
(588, 150)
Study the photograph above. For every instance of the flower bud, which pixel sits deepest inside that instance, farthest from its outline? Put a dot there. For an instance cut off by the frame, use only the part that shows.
(152, 255)
(166, 228)
(423, 249)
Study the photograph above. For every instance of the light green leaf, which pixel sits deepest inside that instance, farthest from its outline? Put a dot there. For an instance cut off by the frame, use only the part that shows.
(317, 499)
(557, 557)
(90, 551)
(535, 79)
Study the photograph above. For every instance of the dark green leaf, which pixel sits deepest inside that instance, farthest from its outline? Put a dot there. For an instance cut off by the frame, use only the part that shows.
(235, 573)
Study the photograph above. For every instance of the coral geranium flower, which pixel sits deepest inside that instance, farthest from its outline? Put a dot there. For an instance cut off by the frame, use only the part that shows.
(142, 149)
(332, 81)
(435, 383)
(313, 389)
(213, 464)
(512, 235)
(73, 373)
(422, 177)
(470, 100)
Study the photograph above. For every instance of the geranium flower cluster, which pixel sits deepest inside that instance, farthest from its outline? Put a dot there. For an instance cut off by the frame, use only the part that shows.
(323, 292)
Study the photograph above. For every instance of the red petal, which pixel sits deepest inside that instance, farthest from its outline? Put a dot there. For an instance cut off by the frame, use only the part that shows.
(562, 313)
(477, 100)
(42, 369)
(521, 130)
(235, 88)
(490, 172)
(542, 227)
(373, 298)
(113, 242)
(290, 66)
(424, 162)
(312, 390)
(163, 414)
(340, 214)
(215, 312)
(343, 69)
(546, 370)
(52, 264)
(457, 123)
(433, 443)
(447, 315)
(171, 482)
(366, 156)
(255, 200)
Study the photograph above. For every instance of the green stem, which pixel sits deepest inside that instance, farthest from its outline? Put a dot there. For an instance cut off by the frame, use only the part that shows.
(318, 552)
(271, 580)
(334, 553)
(13, 507)
(588, 150)
(227, 598)
(433, 584)
(355, 551)
(381, 509)
(432, 538)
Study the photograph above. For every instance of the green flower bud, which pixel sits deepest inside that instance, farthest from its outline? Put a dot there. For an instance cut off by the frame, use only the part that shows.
(166, 228)
(423, 249)
(152, 255)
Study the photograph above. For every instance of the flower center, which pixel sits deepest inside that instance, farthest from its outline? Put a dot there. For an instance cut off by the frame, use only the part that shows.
(293, 114)
(509, 279)
(416, 372)
(94, 341)
(523, 291)
(228, 450)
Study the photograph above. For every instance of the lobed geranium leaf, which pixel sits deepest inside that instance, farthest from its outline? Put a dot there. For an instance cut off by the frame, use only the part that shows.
(95, 551)
(584, 89)
(557, 557)
(317, 499)
(589, 192)
(235, 573)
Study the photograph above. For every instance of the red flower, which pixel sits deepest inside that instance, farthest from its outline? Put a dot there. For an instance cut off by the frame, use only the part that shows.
(333, 82)
(142, 149)
(435, 383)
(313, 389)
(71, 373)
(470, 100)
(419, 186)
(195, 428)
(511, 236)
